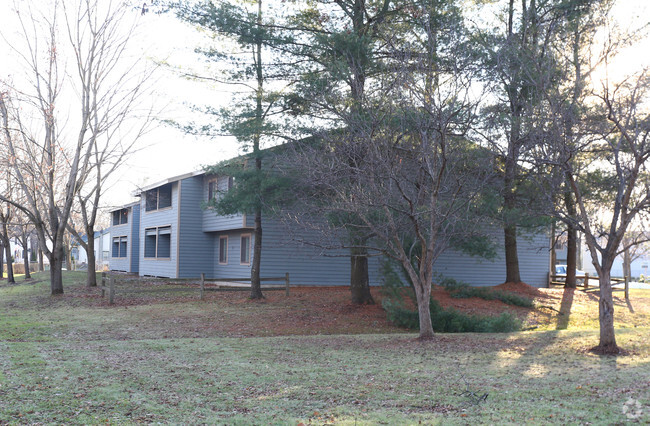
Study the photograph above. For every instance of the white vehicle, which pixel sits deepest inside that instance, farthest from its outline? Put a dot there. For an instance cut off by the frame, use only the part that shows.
(560, 274)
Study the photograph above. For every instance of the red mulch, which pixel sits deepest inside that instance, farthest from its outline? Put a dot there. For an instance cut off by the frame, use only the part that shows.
(309, 310)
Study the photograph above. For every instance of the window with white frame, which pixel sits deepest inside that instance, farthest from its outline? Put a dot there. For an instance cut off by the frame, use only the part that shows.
(245, 255)
(223, 250)
(157, 242)
(119, 246)
(159, 198)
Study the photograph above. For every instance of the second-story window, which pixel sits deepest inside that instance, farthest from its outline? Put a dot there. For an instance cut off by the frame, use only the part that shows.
(120, 217)
(159, 198)
(212, 190)
(217, 187)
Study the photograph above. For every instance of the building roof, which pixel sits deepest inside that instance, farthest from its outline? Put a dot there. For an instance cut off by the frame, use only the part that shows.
(114, 209)
(139, 191)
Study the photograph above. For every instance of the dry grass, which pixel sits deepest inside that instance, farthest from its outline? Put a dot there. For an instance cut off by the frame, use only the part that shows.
(74, 359)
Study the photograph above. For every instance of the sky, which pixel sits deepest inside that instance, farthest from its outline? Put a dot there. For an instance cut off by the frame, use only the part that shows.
(167, 152)
(171, 153)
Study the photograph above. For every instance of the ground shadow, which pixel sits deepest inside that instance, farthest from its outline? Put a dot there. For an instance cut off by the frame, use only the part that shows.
(565, 309)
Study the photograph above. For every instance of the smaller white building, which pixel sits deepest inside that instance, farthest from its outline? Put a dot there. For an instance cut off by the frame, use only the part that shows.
(102, 251)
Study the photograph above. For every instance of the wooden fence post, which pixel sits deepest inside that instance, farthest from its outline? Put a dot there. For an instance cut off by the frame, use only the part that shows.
(627, 288)
(103, 284)
(586, 280)
(286, 284)
(202, 284)
(111, 291)
(550, 278)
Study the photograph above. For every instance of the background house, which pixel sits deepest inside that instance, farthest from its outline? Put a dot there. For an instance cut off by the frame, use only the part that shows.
(102, 254)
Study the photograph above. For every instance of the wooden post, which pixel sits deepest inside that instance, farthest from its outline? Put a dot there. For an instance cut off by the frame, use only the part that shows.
(103, 284)
(286, 284)
(202, 284)
(627, 288)
(586, 280)
(111, 291)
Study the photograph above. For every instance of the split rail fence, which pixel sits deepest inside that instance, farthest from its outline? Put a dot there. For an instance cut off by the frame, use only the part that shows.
(115, 284)
(554, 280)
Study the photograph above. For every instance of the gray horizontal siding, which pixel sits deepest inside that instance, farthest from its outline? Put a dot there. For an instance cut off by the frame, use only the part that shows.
(307, 265)
(169, 216)
(196, 248)
(125, 230)
(234, 268)
(534, 260)
(134, 254)
(212, 222)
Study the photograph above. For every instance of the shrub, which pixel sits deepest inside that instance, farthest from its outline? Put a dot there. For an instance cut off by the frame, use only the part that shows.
(443, 320)
(489, 294)
(450, 320)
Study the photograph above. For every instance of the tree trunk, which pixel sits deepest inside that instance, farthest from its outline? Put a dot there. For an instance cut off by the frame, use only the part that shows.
(41, 267)
(68, 257)
(28, 275)
(2, 263)
(359, 281)
(424, 311)
(571, 257)
(91, 276)
(10, 267)
(572, 242)
(606, 314)
(256, 288)
(512, 259)
(509, 204)
(56, 270)
(627, 263)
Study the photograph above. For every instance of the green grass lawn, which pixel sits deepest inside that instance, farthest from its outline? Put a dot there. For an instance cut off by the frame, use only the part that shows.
(75, 360)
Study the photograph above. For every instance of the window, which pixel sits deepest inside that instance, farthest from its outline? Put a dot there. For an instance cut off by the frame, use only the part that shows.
(223, 250)
(120, 217)
(119, 246)
(212, 190)
(158, 242)
(217, 187)
(245, 249)
(159, 198)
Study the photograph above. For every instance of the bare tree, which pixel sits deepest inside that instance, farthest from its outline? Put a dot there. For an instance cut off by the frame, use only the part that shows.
(23, 231)
(5, 237)
(7, 212)
(625, 149)
(56, 156)
(635, 246)
(593, 144)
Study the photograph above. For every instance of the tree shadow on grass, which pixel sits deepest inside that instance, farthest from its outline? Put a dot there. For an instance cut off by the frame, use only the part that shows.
(565, 309)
